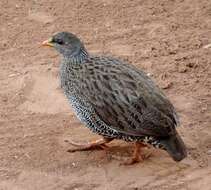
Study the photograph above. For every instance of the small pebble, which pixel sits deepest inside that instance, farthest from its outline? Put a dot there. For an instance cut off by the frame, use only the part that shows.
(167, 85)
(182, 69)
(12, 75)
(207, 46)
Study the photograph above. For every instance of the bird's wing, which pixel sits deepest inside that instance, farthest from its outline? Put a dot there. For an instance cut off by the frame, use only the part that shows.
(159, 100)
(127, 100)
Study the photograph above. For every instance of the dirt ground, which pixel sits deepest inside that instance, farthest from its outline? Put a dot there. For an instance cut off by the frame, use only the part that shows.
(166, 38)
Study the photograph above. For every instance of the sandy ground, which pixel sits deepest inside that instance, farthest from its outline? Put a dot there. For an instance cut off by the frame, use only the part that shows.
(165, 38)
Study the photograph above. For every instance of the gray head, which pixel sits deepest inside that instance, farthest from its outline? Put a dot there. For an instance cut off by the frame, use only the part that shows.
(68, 44)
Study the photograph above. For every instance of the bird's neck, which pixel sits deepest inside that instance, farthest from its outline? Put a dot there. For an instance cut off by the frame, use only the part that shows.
(77, 58)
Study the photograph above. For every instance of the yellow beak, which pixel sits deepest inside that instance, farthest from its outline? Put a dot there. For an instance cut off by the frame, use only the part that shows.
(48, 43)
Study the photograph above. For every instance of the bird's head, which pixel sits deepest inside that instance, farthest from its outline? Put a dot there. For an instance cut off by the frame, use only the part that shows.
(68, 44)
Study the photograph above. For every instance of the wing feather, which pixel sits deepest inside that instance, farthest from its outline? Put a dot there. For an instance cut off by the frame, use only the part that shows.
(127, 100)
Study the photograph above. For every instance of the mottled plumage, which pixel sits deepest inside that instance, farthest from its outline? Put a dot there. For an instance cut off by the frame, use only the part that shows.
(115, 99)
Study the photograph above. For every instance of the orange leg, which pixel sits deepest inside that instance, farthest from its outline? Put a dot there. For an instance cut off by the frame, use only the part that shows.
(136, 157)
(100, 143)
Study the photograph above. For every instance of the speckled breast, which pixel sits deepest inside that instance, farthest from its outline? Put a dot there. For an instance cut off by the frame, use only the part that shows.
(87, 115)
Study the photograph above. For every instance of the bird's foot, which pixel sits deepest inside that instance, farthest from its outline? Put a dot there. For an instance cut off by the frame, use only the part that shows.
(137, 156)
(97, 144)
(132, 160)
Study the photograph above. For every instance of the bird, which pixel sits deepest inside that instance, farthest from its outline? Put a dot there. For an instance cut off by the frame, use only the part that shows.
(116, 100)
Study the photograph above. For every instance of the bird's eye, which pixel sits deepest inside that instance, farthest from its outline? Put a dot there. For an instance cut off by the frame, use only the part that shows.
(59, 41)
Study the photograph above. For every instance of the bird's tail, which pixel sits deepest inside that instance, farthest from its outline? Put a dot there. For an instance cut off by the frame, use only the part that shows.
(175, 146)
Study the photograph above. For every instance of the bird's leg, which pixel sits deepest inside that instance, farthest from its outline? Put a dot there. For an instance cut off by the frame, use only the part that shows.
(136, 157)
(100, 143)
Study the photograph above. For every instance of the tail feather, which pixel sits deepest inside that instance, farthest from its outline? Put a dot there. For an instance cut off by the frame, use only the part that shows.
(175, 146)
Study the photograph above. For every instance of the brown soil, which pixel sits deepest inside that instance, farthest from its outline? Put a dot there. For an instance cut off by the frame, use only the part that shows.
(165, 38)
